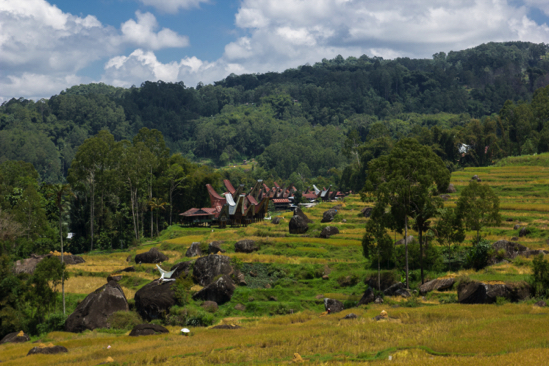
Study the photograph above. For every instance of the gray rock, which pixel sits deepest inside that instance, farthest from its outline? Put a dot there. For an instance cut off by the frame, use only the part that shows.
(391, 291)
(299, 212)
(328, 231)
(215, 247)
(350, 316)
(47, 350)
(210, 306)
(367, 297)
(207, 268)
(194, 250)
(541, 304)
(152, 256)
(94, 311)
(276, 220)
(332, 305)
(246, 246)
(148, 329)
(439, 284)
(15, 338)
(523, 232)
(378, 300)
(298, 225)
(451, 189)
(482, 293)
(366, 211)
(154, 300)
(328, 216)
(511, 249)
(181, 268)
(220, 291)
(401, 241)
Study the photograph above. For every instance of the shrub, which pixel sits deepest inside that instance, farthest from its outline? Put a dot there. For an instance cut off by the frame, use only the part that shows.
(199, 318)
(479, 255)
(52, 323)
(124, 320)
(540, 276)
(181, 289)
(346, 281)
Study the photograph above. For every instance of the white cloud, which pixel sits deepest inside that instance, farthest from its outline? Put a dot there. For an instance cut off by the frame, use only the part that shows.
(542, 5)
(173, 6)
(142, 33)
(38, 40)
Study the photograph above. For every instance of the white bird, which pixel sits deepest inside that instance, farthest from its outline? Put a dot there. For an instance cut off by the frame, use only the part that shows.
(165, 275)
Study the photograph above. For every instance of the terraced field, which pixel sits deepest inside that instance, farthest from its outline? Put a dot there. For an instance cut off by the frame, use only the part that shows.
(299, 270)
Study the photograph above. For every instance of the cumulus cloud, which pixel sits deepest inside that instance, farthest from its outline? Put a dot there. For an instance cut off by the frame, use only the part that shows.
(41, 47)
(542, 5)
(142, 33)
(173, 6)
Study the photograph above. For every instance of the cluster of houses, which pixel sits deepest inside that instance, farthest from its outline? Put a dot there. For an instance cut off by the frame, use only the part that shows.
(237, 207)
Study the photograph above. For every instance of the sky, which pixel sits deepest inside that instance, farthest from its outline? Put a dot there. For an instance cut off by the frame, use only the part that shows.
(48, 46)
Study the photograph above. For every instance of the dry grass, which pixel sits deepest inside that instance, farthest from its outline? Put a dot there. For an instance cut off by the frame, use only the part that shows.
(86, 285)
(475, 334)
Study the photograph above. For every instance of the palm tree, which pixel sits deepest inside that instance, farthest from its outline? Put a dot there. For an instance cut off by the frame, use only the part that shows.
(156, 204)
(60, 193)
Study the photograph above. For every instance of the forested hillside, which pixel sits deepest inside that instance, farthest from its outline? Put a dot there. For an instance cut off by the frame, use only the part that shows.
(302, 117)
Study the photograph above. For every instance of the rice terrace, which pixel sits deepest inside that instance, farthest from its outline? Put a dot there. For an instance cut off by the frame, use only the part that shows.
(279, 316)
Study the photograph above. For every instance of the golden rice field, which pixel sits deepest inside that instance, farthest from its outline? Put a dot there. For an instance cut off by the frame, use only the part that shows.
(433, 334)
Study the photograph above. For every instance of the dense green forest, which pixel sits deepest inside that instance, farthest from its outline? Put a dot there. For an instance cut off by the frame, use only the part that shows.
(134, 157)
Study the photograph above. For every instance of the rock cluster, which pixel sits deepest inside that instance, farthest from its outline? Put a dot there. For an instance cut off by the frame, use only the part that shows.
(194, 250)
(152, 256)
(221, 291)
(486, 293)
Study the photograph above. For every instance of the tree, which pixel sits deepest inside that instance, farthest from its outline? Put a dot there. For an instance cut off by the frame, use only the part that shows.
(60, 193)
(403, 177)
(479, 207)
(157, 204)
(376, 242)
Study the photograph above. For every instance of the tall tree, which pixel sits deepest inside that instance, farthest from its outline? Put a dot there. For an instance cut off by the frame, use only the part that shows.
(403, 177)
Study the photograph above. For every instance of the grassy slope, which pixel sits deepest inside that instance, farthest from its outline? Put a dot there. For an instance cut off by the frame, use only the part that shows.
(294, 265)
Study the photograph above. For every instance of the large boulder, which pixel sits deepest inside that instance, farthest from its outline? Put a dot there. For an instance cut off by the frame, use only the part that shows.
(207, 268)
(439, 284)
(27, 265)
(298, 225)
(511, 249)
(332, 305)
(181, 268)
(152, 256)
(329, 231)
(16, 337)
(96, 308)
(328, 216)
(366, 211)
(276, 220)
(194, 250)
(487, 293)
(220, 291)
(47, 350)
(451, 188)
(215, 247)
(299, 212)
(368, 297)
(392, 290)
(154, 299)
(401, 241)
(245, 246)
(523, 232)
(72, 259)
(148, 329)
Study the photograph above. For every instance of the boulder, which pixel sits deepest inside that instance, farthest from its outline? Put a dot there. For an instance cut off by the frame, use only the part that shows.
(239, 278)
(127, 269)
(215, 247)
(533, 253)
(194, 250)
(231, 326)
(344, 221)
(147, 329)
(392, 290)
(245, 246)
(332, 305)
(350, 316)
(451, 189)
(276, 220)
(487, 293)
(387, 279)
(47, 350)
(220, 291)
(298, 225)
(378, 300)
(328, 216)
(401, 241)
(73, 259)
(27, 265)
(154, 299)
(516, 227)
(368, 297)
(511, 249)
(541, 304)
(523, 232)
(181, 268)
(402, 293)
(152, 256)
(329, 231)
(238, 307)
(210, 306)
(439, 284)
(114, 277)
(509, 219)
(445, 197)
(15, 337)
(94, 311)
(299, 212)
(475, 177)
(514, 238)
(207, 268)
(366, 211)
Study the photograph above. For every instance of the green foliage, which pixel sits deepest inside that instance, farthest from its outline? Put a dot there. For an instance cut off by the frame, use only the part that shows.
(181, 289)
(479, 255)
(124, 320)
(540, 276)
(479, 206)
(53, 322)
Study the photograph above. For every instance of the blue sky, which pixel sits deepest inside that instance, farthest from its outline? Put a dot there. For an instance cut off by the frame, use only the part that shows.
(47, 46)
